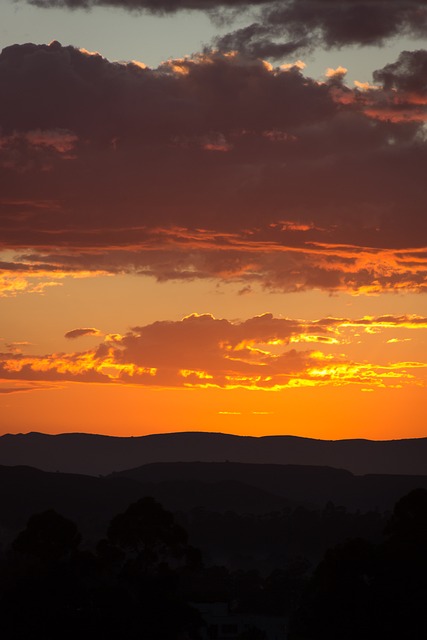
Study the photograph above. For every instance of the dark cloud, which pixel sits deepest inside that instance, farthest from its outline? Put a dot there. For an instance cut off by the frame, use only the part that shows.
(152, 6)
(214, 166)
(78, 333)
(302, 23)
(256, 40)
(408, 73)
(336, 23)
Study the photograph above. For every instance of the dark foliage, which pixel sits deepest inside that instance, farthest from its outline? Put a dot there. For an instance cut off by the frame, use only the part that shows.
(49, 537)
(142, 580)
(371, 591)
(273, 540)
(50, 589)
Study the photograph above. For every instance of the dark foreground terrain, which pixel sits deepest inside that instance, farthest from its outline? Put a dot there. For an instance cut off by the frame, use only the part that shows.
(229, 509)
(209, 547)
(144, 579)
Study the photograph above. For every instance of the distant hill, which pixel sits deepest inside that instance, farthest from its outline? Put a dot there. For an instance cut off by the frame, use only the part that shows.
(220, 487)
(311, 486)
(92, 502)
(89, 501)
(244, 515)
(100, 455)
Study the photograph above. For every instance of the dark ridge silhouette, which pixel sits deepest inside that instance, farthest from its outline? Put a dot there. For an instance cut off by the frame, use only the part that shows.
(96, 454)
(93, 501)
(216, 487)
(220, 496)
(311, 486)
(89, 501)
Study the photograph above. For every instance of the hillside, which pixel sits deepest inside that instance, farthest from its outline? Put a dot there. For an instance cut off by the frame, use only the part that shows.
(238, 514)
(312, 486)
(100, 455)
(217, 487)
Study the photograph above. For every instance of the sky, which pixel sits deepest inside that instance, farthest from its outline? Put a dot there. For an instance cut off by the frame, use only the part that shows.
(212, 217)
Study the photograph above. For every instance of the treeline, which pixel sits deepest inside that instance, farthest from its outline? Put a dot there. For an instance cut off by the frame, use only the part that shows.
(143, 578)
(362, 590)
(273, 540)
(127, 588)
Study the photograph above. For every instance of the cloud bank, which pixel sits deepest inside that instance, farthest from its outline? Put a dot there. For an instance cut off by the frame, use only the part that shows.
(305, 24)
(257, 354)
(212, 166)
(285, 26)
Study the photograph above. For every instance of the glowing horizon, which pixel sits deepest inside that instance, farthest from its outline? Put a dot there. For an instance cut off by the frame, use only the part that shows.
(221, 240)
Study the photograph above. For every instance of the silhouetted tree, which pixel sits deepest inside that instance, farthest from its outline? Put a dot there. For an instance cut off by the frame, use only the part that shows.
(154, 547)
(337, 601)
(150, 532)
(48, 536)
(402, 577)
(371, 591)
(45, 595)
(408, 523)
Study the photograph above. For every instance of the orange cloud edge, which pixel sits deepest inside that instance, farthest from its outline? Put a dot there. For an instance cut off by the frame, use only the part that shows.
(201, 351)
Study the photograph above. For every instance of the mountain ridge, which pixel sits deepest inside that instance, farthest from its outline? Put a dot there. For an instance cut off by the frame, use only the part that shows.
(239, 488)
(94, 454)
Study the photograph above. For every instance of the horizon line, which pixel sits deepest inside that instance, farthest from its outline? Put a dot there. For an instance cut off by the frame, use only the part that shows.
(207, 433)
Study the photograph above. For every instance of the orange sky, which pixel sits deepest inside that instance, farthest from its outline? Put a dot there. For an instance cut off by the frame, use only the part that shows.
(222, 242)
(128, 410)
(335, 377)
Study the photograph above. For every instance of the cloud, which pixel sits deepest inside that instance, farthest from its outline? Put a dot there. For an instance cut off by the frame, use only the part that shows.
(310, 23)
(362, 22)
(152, 6)
(255, 40)
(407, 74)
(78, 333)
(282, 28)
(17, 388)
(212, 166)
(17, 277)
(203, 351)
(7, 390)
(17, 346)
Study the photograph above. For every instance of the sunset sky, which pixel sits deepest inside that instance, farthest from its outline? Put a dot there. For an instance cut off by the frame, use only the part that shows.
(213, 216)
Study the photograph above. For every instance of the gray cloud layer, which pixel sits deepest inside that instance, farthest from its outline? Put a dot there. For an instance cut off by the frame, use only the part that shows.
(283, 27)
(152, 6)
(327, 23)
